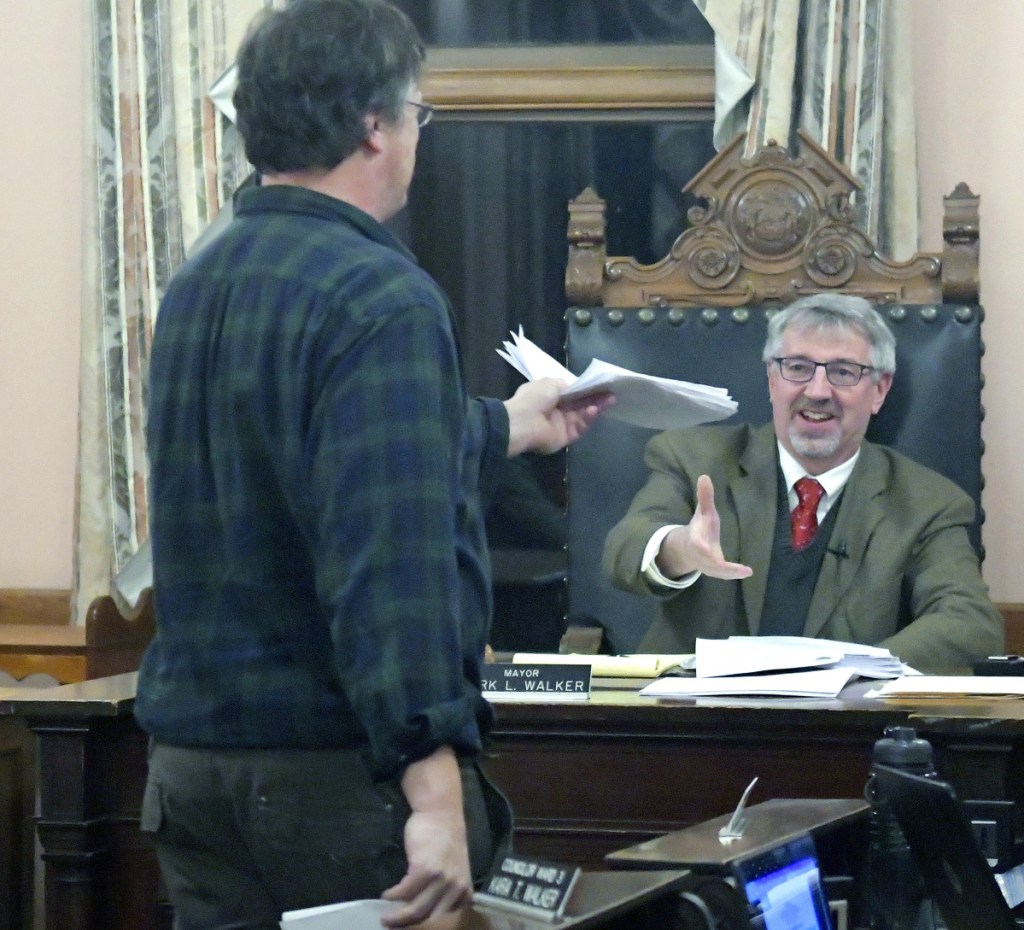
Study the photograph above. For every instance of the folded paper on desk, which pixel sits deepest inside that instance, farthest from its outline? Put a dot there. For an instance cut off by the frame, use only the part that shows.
(348, 915)
(947, 686)
(744, 655)
(819, 683)
(643, 400)
(642, 665)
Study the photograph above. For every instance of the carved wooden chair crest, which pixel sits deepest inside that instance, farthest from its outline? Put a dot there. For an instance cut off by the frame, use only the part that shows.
(774, 228)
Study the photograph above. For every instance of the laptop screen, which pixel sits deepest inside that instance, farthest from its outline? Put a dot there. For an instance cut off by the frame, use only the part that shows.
(783, 888)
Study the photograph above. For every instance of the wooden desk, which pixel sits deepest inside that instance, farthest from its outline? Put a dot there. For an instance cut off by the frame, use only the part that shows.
(780, 820)
(100, 871)
(585, 778)
(29, 649)
(606, 900)
(589, 778)
(17, 832)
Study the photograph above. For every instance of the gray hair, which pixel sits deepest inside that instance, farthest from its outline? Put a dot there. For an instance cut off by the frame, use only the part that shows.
(835, 312)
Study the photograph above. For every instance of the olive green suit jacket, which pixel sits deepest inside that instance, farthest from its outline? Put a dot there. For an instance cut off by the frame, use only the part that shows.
(899, 570)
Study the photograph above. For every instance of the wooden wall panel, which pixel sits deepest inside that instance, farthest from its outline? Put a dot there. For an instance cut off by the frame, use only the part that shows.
(17, 834)
(1013, 614)
(35, 605)
(46, 606)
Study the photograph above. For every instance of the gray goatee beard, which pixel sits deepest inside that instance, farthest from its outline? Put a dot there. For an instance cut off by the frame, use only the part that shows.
(818, 448)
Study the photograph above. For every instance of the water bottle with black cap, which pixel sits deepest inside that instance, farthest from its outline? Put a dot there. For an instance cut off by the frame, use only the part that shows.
(894, 894)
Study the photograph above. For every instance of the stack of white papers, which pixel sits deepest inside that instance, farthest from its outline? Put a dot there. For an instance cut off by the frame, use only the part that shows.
(948, 686)
(819, 683)
(349, 915)
(780, 666)
(744, 655)
(643, 400)
(641, 665)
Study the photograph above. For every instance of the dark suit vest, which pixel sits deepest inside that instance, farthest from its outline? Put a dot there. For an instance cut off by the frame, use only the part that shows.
(792, 575)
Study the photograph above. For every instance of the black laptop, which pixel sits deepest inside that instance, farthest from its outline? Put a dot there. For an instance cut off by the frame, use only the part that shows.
(956, 874)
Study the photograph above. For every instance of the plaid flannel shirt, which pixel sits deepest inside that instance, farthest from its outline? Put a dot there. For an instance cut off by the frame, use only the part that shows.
(317, 488)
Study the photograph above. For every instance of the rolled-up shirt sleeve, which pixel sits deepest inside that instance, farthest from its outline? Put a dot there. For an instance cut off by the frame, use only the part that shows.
(392, 445)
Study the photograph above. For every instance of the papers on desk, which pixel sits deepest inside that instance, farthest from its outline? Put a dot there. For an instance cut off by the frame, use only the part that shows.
(819, 683)
(349, 915)
(643, 400)
(634, 666)
(777, 666)
(744, 655)
(951, 686)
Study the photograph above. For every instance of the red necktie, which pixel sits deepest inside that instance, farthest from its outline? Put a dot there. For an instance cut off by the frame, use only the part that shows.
(804, 518)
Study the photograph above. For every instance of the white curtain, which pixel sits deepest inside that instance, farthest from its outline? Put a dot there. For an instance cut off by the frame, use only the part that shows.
(839, 70)
(160, 163)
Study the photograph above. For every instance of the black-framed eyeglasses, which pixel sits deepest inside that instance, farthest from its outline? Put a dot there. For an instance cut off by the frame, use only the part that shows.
(424, 112)
(840, 373)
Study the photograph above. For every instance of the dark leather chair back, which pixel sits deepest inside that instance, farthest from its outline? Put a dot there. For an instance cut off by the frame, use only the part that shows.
(932, 414)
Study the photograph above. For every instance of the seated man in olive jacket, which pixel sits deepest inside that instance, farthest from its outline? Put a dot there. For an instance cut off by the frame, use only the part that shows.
(876, 551)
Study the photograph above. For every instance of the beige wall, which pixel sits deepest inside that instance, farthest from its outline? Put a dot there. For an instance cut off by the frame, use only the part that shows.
(970, 96)
(970, 93)
(40, 261)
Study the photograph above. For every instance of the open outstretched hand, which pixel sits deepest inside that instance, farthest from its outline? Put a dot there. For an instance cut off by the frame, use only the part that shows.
(697, 547)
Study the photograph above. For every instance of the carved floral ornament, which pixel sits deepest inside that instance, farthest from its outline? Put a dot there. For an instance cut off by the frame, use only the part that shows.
(771, 227)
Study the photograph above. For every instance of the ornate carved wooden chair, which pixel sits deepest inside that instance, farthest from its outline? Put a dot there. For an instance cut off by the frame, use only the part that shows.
(773, 228)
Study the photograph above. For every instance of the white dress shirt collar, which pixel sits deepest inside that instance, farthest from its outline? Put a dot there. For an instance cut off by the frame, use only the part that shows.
(833, 480)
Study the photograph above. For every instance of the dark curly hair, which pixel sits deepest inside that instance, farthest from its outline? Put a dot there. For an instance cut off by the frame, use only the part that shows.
(309, 73)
